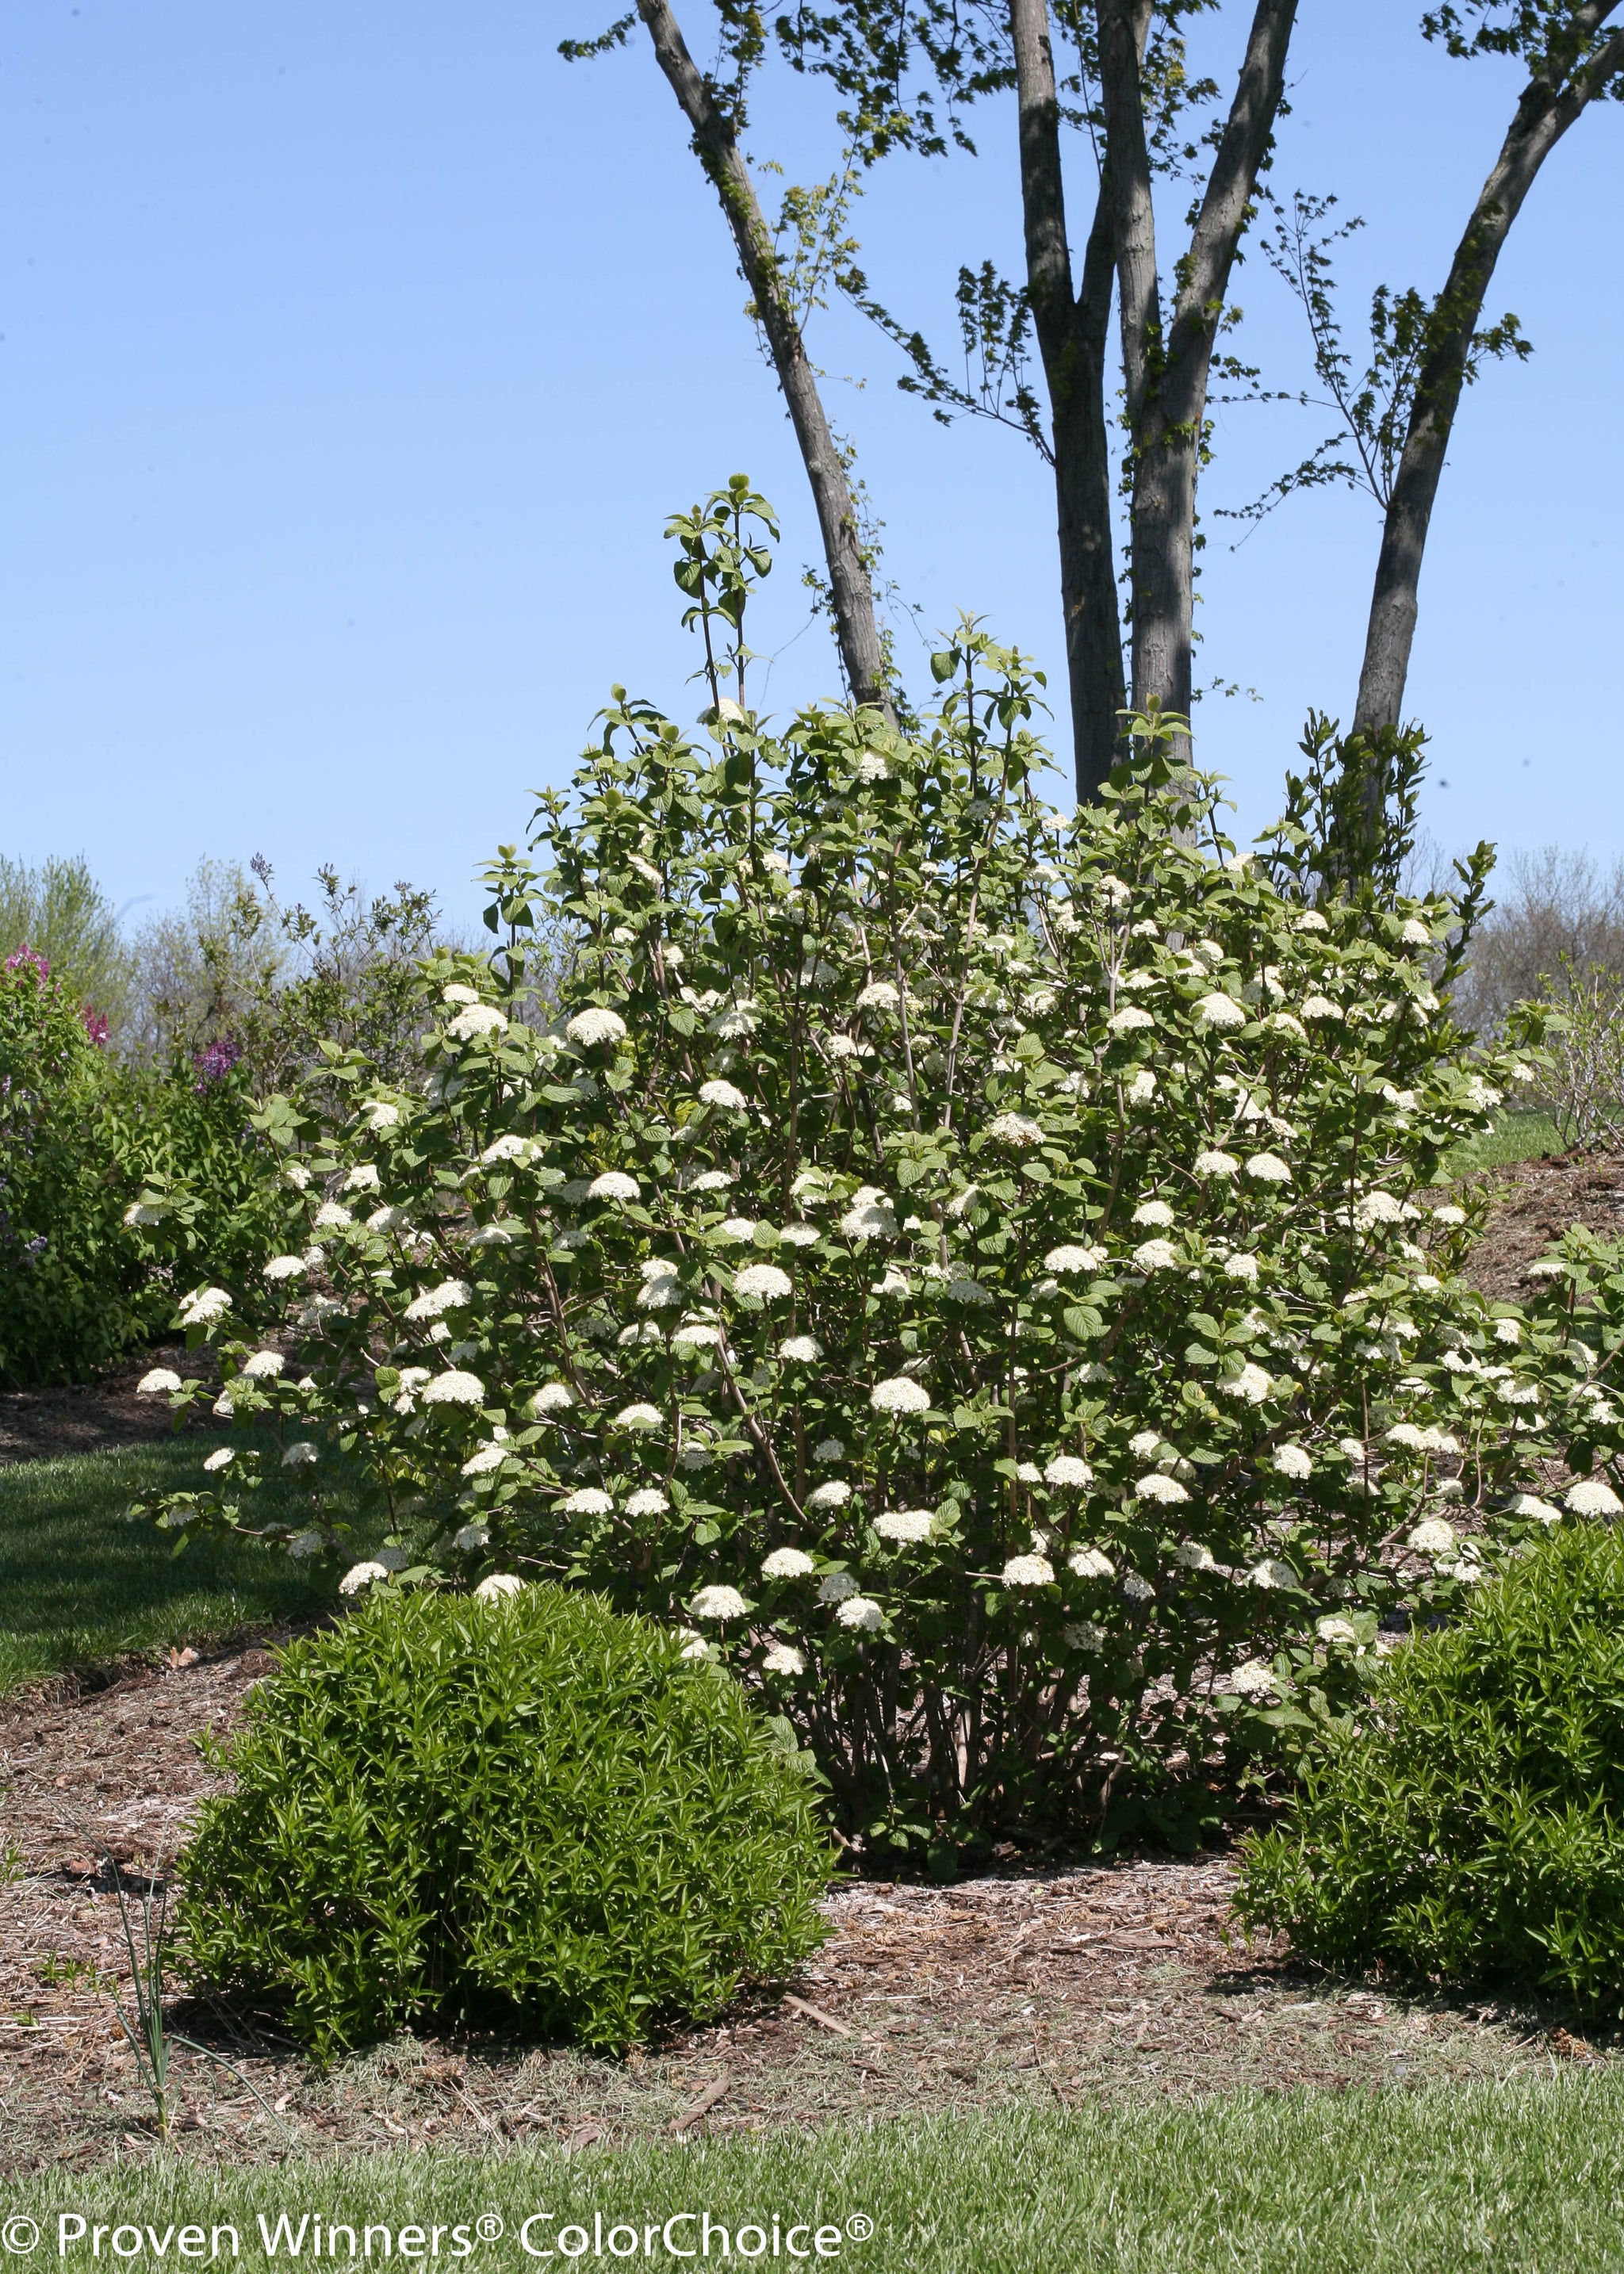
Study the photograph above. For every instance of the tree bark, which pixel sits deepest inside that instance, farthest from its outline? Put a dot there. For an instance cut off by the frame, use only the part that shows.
(1166, 378)
(1543, 115)
(716, 148)
(1072, 335)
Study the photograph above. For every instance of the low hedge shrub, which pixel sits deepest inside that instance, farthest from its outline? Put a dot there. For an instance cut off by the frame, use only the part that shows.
(525, 1812)
(1469, 1826)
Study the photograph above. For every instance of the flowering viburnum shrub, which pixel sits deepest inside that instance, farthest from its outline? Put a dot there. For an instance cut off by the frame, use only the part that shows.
(968, 1265)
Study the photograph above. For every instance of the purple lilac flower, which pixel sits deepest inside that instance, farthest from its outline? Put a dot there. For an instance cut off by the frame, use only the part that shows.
(26, 960)
(216, 1061)
(95, 1027)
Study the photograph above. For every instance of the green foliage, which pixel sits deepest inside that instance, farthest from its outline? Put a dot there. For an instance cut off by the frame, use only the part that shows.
(1376, 404)
(969, 1261)
(1349, 829)
(524, 1810)
(196, 1169)
(995, 326)
(1470, 1828)
(60, 911)
(107, 1172)
(124, 1168)
(146, 2036)
(616, 36)
(908, 73)
(1557, 40)
(70, 1275)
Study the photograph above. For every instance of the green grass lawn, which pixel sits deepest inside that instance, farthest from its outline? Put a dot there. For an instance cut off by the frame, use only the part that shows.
(1528, 2176)
(78, 1586)
(1514, 1137)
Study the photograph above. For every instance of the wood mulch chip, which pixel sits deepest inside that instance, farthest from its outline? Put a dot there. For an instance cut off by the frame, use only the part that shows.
(1053, 1984)
(99, 1417)
(1534, 1203)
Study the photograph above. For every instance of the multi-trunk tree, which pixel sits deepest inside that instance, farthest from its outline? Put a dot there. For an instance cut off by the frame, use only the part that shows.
(1123, 88)
(1167, 349)
(1103, 90)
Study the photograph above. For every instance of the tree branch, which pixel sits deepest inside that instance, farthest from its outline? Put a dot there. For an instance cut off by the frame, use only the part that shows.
(1072, 338)
(1240, 152)
(716, 146)
(1167, 375)
(1543, 115)
(1043, 194)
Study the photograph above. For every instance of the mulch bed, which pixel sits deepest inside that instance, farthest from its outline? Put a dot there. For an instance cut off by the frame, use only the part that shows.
(1052, 1985)
(98, 1417)
(1055, 1985)
(1534, 1204)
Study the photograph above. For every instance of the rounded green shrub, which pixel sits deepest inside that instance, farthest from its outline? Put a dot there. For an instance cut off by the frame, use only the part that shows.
(527, 1812)
(1469, 1826)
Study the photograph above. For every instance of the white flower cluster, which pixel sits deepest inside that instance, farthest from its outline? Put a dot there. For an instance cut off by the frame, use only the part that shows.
(205, 1306)
(454, 1388)
(900, 1395)
(1018, 1129)
(479, 1019)
(434, 1302)
(906, 1525)
(594, 1026)
(766, 1281)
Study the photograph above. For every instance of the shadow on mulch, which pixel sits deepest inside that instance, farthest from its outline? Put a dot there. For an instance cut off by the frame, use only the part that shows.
(1113, 1980)
(101, 1416)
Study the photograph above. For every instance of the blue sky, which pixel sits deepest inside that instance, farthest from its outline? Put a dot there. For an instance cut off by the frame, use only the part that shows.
(353, 356)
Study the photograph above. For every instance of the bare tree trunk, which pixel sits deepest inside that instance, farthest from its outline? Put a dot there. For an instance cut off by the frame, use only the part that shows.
(717, 149)
(1128, 160)
(1083, 482)
(1166, 377)
(1543, 117)
(1072, 335)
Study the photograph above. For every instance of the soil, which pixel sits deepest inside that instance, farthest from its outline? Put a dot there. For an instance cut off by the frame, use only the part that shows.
(1055, 1984)
(1534, 1204)
(98, 1417)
